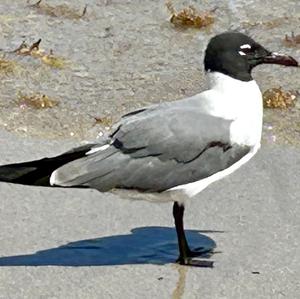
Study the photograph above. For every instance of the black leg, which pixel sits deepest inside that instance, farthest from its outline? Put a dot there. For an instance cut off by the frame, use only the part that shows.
(185, 254)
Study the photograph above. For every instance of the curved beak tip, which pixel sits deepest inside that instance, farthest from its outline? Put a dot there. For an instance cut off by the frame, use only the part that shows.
(282, 59)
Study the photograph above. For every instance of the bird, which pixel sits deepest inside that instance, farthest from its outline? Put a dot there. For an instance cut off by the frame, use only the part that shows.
(173, 148)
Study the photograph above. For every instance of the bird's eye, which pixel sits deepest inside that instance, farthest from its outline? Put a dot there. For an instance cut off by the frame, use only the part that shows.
(245, 49)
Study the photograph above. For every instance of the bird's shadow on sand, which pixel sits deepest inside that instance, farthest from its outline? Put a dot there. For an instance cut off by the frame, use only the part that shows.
(144, 245)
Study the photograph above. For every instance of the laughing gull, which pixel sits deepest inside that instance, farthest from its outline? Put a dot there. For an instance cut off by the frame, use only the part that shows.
(177, 147)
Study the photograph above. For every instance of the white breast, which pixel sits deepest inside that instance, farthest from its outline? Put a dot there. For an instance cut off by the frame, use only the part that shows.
(240, 102)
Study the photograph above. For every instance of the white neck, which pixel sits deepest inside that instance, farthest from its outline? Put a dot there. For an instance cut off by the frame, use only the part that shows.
(239, 101)
(218, 80)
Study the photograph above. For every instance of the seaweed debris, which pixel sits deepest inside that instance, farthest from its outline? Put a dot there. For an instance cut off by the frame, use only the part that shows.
(7, 67)
(53, 61)
(190, 16)
(36, 101)
(105, 121)
(32, 50)
(62, 10)
(292, 41)
(35, 51)
(278, 98)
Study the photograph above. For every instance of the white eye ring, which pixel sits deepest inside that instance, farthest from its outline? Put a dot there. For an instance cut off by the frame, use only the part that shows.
(246, 46)
(242, 53)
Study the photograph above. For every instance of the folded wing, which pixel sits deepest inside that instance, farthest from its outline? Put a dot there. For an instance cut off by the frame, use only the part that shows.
(156, 149)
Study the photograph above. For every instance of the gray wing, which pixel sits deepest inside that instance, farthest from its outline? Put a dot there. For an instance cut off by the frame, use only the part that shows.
(156, 149)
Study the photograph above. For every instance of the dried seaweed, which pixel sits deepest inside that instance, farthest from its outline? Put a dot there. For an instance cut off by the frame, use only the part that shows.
(35, 51)
(21, 48)
(190, 17)
(36, 101)
(292, 41)
(62, 10)
(54, 61)
(32, 50)
(105, 121)
(278, 98)
(7, 67)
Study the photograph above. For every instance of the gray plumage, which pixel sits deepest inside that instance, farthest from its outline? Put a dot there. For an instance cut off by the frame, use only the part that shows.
(155, 149)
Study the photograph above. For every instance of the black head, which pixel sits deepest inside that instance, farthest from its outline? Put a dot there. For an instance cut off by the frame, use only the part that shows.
(236, 54)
